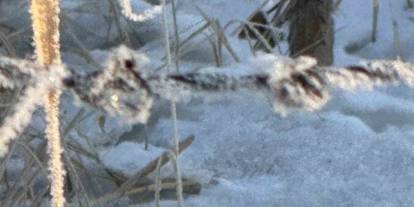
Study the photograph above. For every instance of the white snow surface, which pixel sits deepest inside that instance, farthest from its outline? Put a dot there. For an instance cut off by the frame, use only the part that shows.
(129, 157)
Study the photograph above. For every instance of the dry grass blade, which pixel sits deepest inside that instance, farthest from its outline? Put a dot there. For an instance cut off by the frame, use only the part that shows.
(148, 169)
(7, 44)
(79, 47)
(46, 36)
(158, 183)
(214, 47)
(16, 190)
(261, 39)
(249, 40)
(4, 162)
(260, 27)
(80, 190)
(122, 31)
(397, 40)
(375, 8)
(194, 34)
(220, 35)
(189, 187)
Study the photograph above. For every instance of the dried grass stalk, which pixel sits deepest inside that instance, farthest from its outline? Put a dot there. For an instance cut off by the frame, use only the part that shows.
(45, 19)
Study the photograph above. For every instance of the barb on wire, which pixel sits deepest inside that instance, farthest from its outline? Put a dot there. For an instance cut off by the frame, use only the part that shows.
(119, 89)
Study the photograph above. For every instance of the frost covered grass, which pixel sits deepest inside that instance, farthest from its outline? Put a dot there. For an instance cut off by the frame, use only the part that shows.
(144, 16)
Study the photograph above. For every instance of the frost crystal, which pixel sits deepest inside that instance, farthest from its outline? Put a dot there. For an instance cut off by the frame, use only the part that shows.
(361, 77)
(297, 84)
(119, 89)
(34, 94)
(15, 72)
(146, 15)
(371, 74)
(179, 87)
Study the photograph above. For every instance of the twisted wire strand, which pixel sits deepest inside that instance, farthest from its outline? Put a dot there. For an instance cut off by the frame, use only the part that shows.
(123, 88)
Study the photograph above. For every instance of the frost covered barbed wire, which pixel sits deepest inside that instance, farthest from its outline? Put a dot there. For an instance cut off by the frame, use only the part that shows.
(296, 84)
(181, 87)
(124, 89)
(15, 72)
(34, 91)
(127, 11)
(119, 89)
(304, 85)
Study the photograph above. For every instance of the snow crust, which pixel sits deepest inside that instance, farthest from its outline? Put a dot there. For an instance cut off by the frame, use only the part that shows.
(129, 157)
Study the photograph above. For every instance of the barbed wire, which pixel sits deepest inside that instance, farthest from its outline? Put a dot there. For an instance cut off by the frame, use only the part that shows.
(124, 89)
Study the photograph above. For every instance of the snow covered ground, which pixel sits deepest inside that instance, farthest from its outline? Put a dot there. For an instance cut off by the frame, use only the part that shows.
(357, 151)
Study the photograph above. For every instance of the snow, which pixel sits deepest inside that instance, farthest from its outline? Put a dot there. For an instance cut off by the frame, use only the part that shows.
(357, 151)
(129, 157)
(334, 160)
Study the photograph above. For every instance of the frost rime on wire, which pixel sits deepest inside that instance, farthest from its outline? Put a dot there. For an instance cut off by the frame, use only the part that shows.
(301, 84)
(124, 89)
(372, 74)
(14, 72)
(128, 12)
(119, 89)
(34, 85)
(295, 84)
(181, 87)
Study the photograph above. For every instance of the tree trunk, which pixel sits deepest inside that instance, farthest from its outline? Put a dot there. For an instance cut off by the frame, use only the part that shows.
(311, 30)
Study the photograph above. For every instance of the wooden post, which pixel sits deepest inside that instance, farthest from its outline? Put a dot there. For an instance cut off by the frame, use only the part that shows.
(311, 30)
